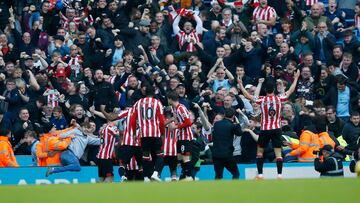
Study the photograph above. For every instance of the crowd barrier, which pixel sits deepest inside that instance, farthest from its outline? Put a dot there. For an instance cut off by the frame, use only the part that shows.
(36, 175)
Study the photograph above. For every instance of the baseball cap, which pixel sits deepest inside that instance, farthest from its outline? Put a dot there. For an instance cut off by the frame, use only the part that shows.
(60, 72)
(144, 22)
(238, 3)
(180, 85)
(327, 148)
(28, 58)
(248, 86)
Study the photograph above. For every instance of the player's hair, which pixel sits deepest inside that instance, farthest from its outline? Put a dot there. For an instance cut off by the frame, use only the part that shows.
(173, 96)
(269, 87)
(149, 90)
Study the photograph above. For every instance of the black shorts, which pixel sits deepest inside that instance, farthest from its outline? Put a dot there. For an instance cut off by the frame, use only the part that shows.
(105, 168)
(273, 135)
(151, 145)
(125, 153)
(184, 147)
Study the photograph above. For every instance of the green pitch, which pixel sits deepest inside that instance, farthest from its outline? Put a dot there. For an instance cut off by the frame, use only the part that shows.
(304, 191)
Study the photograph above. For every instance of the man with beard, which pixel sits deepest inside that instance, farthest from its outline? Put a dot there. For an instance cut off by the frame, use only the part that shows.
(101, 92)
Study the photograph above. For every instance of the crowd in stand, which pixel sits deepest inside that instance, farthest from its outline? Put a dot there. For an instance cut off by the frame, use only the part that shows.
(62, 61)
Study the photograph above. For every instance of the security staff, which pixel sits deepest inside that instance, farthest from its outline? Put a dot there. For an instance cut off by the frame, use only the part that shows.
(223, 136)
(7, 158)
(332, 165)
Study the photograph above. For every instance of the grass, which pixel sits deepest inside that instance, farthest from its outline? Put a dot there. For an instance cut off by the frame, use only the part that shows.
(309, 190)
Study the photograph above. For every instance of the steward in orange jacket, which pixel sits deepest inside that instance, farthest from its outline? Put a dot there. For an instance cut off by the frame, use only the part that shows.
(41, 154)
(309, 142)
(7, 157)
(53, 145)
(325, 139)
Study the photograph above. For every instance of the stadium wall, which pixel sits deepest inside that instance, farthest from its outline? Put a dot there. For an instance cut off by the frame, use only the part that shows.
(36, 175)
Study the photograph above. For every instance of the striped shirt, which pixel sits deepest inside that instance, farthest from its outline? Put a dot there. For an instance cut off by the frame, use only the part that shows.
(357, 22)
(129, 138)
(310, 2)
(182, 37)
(65, 21)
(266, 14)
(132, 166)
(107, 141)
(148, 113)
(270, 111)
(183, 123)
(170, 142)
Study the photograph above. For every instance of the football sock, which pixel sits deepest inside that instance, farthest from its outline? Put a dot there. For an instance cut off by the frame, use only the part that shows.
(279, 165)
(260, 164)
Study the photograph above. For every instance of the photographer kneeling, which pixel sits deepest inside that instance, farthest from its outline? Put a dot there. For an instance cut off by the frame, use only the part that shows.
(331, 165)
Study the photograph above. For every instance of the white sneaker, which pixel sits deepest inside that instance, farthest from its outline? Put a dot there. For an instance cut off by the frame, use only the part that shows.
(123, 179)
(173, 178)
(147, 180)
(279, 177)
(155, 176)
(188, 179)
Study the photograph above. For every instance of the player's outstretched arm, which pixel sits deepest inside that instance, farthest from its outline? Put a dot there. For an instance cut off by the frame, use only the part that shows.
(293, 85)
(243, 90)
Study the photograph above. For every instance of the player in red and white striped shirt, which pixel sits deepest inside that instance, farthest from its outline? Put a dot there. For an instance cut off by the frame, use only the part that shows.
(133, 172)
(185, 135)
(264, 14)
(130, 142)
(105, 166)
(170, 144)
(148, 113)
(270, 121)
(310, 2)
(188, 31)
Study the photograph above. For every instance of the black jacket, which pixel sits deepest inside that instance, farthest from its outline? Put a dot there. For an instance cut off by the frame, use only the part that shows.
(102, 93)
(330, 167)
(223, 136)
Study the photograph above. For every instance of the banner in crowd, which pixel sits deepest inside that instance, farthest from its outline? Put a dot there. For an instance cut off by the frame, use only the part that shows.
(36, 175)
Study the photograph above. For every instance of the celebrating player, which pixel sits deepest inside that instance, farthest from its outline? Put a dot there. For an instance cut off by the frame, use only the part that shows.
(270, 122)
(148, 113)
(185, 134)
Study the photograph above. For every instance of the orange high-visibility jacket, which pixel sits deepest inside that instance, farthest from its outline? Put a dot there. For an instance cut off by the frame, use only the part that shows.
(7, 157)
(325, 139)
(56, 145)
(41, 153)
(309, 142)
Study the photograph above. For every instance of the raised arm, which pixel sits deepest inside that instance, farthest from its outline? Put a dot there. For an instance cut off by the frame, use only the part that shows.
(258, 87)
(212, 70)
(176, 27)
(293, 85)
(243, 90)
(199, 25)
(204, 120)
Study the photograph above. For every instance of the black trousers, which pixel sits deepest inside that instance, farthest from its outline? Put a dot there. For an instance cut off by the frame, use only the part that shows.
(229, 164)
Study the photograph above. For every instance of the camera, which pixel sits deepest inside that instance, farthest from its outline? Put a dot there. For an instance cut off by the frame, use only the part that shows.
(317, 152)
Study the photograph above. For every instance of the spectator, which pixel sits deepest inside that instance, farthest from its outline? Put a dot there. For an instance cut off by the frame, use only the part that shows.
(351, 131)
(342, 97)
(31, 140)
(22, 125)
(335, 125)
